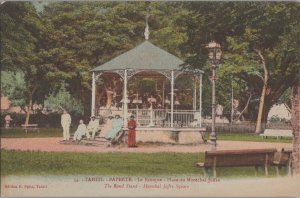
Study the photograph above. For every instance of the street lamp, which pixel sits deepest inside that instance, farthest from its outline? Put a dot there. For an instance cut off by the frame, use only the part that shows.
(214, 55)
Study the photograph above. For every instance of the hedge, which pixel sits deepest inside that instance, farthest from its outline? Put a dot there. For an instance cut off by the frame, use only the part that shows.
(51, 120)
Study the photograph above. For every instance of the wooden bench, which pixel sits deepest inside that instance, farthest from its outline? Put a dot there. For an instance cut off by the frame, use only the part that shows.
(283, 158)
(278, 133)
(97, 140)
(237, 158)
(30, 127)
(102, 140)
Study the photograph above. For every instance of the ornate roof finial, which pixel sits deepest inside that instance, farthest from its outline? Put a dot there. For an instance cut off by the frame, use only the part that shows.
(147, 32)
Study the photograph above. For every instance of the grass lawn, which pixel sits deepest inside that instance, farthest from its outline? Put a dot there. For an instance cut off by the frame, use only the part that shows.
(249, 137)
(57, 132)
(134, 164)
(20, 133)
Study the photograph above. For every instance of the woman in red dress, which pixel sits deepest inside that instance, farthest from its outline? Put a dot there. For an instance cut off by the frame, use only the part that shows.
(131, 132)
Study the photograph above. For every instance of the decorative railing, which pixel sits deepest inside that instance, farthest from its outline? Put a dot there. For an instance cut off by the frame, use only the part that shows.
(162, 117)
(149, 118)
(157, 117)
(183, 118)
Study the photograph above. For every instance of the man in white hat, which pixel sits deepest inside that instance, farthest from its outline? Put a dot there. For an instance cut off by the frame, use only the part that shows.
(65, 123)
(93, 127)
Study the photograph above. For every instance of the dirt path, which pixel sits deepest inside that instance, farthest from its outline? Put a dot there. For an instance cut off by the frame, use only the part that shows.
(52, 144)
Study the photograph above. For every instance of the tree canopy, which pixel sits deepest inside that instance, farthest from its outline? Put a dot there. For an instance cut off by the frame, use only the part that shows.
(243, 30)
(62, 42)
(21, 36)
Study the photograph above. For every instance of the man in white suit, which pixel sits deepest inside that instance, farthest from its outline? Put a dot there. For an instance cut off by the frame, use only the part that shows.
(81, 130)
(65, 123)
(93, 127)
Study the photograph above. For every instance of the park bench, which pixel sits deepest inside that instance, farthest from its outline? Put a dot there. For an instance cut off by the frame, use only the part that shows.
(278, 133)
(27, 127)
(237, 158)
(98, 140)
(102, 140)
(283, 158)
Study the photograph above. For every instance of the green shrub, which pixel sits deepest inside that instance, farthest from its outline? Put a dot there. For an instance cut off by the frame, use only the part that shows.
(51, 120)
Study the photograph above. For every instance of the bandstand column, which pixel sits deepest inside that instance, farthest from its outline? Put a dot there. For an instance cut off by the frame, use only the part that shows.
(200, 99)
(125, 109)
(172, 98)
(93, 94)
(163, 94)
(195, 94)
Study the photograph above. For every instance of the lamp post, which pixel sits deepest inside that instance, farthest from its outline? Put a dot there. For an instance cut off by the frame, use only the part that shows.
(214, 55)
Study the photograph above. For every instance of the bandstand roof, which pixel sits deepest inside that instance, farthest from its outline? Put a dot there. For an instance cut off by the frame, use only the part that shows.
(145, 56)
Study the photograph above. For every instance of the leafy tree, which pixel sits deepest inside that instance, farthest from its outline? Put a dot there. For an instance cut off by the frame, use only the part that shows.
(67, 39)
(63, 100)
(257, 50)
(12, 86)
(82, 35)
(285, 99)
(25, 40)
(21, 31)
(165, 28)
(267, 57)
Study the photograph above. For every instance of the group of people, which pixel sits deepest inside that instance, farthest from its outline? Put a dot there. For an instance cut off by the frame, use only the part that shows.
(82, 129)
(112, 126)
(112, 99)
(109, 131)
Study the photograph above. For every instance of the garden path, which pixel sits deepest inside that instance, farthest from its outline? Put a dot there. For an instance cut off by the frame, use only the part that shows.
(52, 144)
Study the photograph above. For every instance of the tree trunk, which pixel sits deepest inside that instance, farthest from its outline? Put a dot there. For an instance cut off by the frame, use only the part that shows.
(23, 108)
(264, 119)
(246, 107)
(258, 128)
(28, 108)
(296, 128)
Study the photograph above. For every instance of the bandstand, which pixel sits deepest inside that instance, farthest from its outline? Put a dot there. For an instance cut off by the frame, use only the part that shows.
(157, 111)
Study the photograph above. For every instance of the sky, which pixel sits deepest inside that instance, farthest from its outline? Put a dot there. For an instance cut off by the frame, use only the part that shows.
(39, 5)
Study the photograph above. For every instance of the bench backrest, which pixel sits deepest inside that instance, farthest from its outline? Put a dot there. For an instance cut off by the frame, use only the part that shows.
(278, 132)
(29, 125)
(282, 157)
(231, 158)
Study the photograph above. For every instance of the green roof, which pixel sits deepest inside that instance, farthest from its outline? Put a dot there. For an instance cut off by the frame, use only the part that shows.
(145, 56)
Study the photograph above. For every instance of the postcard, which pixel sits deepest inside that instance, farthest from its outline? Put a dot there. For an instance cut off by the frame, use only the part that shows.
(150, 99)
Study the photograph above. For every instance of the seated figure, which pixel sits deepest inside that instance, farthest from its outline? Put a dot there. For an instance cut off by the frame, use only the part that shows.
(92, 127)
(117, 124)
(81, 131)
(107, 126)
(194, 124)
